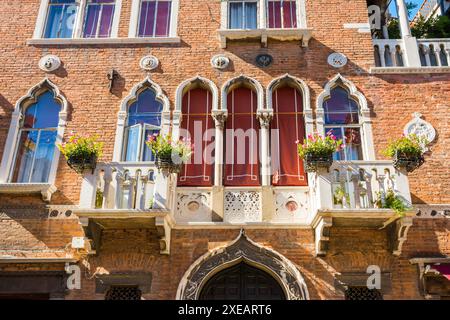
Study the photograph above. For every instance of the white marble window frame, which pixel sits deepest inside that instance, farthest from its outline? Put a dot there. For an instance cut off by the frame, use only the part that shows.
(79, 23)
(134, 20)
(12, 140)
(262, 14)
(365, 121)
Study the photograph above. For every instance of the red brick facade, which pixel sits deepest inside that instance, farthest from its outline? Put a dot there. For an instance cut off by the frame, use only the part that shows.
(27, 231)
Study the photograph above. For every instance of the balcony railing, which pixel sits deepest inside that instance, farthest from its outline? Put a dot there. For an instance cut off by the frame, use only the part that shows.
(412, 53)
(363, 185)
(434, 52)
(389, 52)
(125, 185)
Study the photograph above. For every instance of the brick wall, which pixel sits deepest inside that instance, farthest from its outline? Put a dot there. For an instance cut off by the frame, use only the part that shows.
(93, 110)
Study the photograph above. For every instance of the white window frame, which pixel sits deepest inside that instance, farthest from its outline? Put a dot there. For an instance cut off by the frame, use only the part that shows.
(79, 23)
(142, 129)
(121, 140)
(12, 142)
(134, 20)
(365, 121)
(262, 14)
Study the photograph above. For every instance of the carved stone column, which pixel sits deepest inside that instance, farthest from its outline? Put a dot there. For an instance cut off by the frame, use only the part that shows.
(265, 117)
(219, 116)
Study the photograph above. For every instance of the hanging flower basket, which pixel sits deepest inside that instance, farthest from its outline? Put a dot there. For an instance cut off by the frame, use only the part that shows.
(81, 152)
(315, 161)
(166, 164)
(317, 151)
(82, 163)
(409, 162)
(166, 151)
(406, 152)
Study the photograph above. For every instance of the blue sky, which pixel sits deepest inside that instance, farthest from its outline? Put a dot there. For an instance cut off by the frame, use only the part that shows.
(418, 2)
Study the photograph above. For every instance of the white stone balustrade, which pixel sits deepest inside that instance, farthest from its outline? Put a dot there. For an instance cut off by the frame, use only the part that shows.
(123, 185)
(361, 182)
(389, 52)
(412, 53)
(434, 52)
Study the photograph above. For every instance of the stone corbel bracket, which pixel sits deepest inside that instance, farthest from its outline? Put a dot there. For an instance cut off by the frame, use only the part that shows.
(398, 233)
(322, 235)
(163, 228)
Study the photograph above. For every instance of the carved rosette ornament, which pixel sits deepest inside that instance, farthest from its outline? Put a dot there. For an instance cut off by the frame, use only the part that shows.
(149, 63)
(220, 61)
(243, 249)
(420, 128)
(49, 63)
(220, 117)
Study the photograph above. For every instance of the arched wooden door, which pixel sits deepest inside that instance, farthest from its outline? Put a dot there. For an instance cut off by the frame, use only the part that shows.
(242, 282)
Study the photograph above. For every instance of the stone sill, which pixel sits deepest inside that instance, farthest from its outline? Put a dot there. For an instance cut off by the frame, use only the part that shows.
(408, 70)
(104, 41)
(120, 213)
(246, 225)
(299, 34)
(45, 189)
(12, 259)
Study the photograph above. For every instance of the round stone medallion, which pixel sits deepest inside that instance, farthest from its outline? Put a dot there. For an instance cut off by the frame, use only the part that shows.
(337, 60)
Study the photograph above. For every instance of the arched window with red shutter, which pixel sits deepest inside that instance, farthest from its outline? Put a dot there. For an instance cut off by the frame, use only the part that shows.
(198, 126)
(242, 163)
(288, 127)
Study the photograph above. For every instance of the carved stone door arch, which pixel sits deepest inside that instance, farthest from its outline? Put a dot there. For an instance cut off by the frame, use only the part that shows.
(243, 250)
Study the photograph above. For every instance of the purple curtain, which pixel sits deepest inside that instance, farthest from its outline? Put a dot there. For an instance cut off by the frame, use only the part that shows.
(154, 19)
(99, 18)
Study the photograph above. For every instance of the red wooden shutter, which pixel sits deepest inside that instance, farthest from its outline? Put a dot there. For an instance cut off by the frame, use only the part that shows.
(288, 118)
(241, 155)
(197, 120)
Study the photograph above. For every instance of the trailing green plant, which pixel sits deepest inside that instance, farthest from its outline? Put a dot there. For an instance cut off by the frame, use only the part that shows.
(339, 196)
(82, 147)
(163, 147)
(392, 201)
(410, 145)
(319, 145)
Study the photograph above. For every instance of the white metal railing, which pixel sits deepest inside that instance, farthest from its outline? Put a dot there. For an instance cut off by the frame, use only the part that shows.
(124, 185)
(434, 52)
(359, 185)
(389, 52)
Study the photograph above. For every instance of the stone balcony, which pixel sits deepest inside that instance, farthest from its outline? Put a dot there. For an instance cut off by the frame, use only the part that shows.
(411, 55)
(136, 195)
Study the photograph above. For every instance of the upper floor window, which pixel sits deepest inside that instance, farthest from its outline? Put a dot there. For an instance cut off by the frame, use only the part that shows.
(154, 18)
(144, 119)
(342, 119)
(243, 15)
(99, 18)
(281, 14)
(37, 136)
(61, 18)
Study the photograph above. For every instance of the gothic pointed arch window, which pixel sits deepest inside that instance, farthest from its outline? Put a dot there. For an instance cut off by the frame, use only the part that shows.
(37, 137)
(342, 119)
(37, 126)
(242, 158)
(288, 97)
(198, 97)
(343, 111)
(143, 120)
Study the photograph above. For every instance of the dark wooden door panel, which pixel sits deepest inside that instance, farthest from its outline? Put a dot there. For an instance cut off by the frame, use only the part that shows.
(242, 282)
